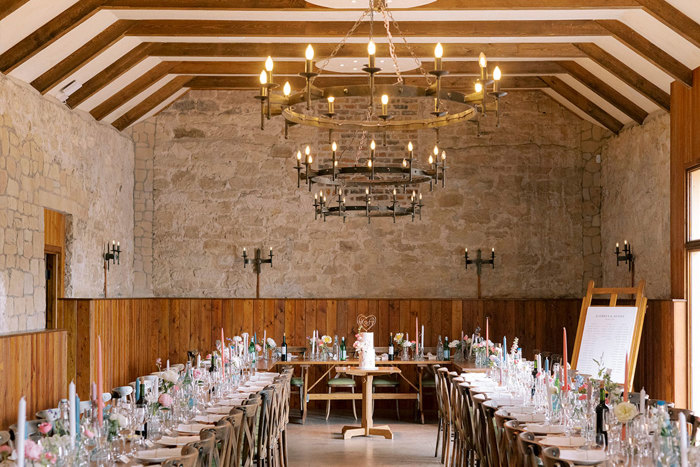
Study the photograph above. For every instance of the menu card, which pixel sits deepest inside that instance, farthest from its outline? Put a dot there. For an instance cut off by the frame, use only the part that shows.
(607, 334)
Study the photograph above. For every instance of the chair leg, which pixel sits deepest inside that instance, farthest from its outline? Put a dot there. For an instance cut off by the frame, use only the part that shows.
(398, 415)
(328, 405)
(354, 412)
(437, 441)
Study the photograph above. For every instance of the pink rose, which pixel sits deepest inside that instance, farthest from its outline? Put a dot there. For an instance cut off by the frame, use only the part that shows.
(176, 388)
(32, 451)
(207, 357)
(5, 448)
(89, 433)
(50, 457)
(165, 400)
(258, 348)
(197, 373)
(582, 397)
(45, 428)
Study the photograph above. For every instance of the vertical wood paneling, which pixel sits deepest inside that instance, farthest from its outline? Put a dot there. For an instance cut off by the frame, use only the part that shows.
(33, 365)
(137, 331)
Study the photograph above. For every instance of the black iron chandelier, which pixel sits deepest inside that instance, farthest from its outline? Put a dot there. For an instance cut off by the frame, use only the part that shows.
(390, 189)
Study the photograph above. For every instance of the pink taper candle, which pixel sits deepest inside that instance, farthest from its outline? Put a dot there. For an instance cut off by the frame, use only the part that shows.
(487, 336)
(565, 362)
(626, 388)
(416, 334)
(100, 401)
(223, 359)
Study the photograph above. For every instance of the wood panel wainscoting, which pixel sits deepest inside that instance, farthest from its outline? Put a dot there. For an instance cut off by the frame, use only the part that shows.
(32, 365)
(137, 331)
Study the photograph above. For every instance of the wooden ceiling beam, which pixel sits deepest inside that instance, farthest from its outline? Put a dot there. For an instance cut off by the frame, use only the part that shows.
(604, 90)
(47, 34)
(80, 57)
(287, 50)
(648, 50)
(437, 5)
(221, 28)
(8, 6)
(470, 68)
(251, 82)
(132, 90)
(112, 72)
(580, 101)
(627, 74)
(151, 102)
(674, 19)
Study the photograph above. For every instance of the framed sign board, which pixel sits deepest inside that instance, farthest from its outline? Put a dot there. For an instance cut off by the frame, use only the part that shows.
(609, 333)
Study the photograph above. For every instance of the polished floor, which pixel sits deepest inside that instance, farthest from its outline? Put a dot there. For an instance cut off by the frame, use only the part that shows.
(319, 442)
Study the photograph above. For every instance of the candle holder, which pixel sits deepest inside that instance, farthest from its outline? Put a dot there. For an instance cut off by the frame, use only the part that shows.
(626, 257)
(257, 261)
(479, 262)
(110, 255)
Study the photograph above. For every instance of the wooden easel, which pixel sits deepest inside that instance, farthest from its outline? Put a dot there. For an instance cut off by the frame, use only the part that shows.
(640, 303)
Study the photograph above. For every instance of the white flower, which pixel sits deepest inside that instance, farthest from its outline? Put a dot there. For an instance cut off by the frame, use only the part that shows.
(170, 376)
(271, 343)
(406, 343)
(237, 339)
(327, 340)
(453, 344)
(625, 411)
(120, 419)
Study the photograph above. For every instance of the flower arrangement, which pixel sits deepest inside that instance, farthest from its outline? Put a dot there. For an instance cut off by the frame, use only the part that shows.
(168, 379)
(237, 339)
(360, 345)
(514, 347)
(45, 428)
(625, 411)
(604, 374)
(271, 344)
(326, 341)
(5, 452)
(401, 341)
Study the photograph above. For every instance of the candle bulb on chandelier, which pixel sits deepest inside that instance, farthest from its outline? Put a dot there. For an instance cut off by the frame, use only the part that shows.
(331, 105)
(482, 65)
(478, 87)
(371, 51)
(496, 79)
(269, 64)
(438, 57)
(385, 104)
(410, 150)
(263, 82)
(298, 155)
(287, 90)
(309, 59)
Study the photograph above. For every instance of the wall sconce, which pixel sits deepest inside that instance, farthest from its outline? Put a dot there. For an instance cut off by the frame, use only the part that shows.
(110, 255)
(626, 257)
(479, 261)
(257, 261)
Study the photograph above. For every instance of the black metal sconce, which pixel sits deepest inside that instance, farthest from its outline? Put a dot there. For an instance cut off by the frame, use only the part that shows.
(110, 255)
(626, 257)
(478, 262)
(257, 261)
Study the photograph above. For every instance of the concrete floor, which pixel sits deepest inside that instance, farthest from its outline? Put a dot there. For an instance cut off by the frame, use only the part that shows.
(319, 443)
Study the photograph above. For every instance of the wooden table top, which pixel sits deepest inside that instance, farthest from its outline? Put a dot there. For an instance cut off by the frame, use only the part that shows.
(355, 371)
(300, 361)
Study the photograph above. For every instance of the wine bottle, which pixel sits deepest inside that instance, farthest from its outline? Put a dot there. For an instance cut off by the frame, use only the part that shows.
(343, 352)
(251, 349)
(446, 350)
(534, 377)
(142, 405)
(600, 411)
(391, 346)
(284, 347)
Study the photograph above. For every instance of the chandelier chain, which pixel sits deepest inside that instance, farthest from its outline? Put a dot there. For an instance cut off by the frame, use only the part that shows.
(410, 49)
(340, 45)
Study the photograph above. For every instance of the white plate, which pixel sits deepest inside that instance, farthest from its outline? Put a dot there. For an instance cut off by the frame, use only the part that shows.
(583, 457)
(220, 410)
(210, 419)
(178, 440)
(545, 429)
(529, 417)
(157, 455)
(563, 441)
(191, 428)
(519, 409)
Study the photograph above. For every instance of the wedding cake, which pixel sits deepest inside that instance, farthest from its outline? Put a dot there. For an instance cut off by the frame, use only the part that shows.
(367, 353)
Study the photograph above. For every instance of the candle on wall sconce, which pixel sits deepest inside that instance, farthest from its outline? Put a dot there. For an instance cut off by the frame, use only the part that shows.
(257, 261)
(110, 255)
(479, 262)
(626, 257)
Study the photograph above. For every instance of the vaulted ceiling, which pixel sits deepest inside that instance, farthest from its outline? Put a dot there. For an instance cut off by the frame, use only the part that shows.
(610, 61)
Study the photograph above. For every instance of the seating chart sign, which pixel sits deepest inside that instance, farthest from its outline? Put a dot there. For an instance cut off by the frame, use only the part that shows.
(608, 332)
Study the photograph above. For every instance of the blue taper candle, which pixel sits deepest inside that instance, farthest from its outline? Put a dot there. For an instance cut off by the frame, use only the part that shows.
(505, 349)
(138, 389)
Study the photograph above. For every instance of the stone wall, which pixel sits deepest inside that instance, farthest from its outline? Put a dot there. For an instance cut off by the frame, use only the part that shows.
(51, 157)
(221, 184)
(636, 204)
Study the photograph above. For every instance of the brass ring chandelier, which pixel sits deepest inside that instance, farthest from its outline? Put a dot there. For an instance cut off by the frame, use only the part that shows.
(296, 109)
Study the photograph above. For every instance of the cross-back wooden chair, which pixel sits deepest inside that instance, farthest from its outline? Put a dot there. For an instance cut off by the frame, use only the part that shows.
(500, 419)
(187, 458)
(550, 458)
(206, 449)
(446, 414)
(221, 432)
(455, 418)
(488, 414)
(235, 419)
(247, 434)
(264, 421)
(512, 429)
(478, 432)
(530, 450)
(467, 429)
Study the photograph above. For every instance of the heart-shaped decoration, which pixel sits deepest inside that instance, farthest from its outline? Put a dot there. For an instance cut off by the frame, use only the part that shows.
(366, 323)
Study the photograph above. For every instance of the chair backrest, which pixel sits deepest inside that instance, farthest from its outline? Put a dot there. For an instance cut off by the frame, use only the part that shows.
(529, 449)
(235, 419)
(550, 458)
(299, 349)
(266, 412)
(247, 434)
(222, 434)
(206, 449)
(512, 429)
(673, 413)
(187, 458)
